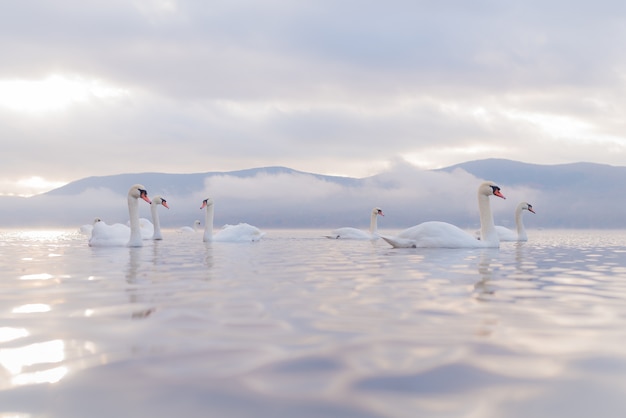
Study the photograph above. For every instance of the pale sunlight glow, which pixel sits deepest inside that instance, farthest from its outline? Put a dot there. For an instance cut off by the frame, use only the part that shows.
(53, 93)
(32, 308)
(554, 125)
(157, 6)
(9, 334)
(46, 376)
(15, 359)
(38, 276)
(42, 235)
(443, 156)
(26, 187)
(39, 184)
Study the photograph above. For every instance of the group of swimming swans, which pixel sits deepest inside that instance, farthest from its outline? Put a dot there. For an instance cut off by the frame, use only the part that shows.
(435, 234)
(133, 234)
(432, 234)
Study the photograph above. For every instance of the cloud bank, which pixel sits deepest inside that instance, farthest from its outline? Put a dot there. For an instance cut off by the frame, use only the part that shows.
(329, 87)
(406, 194)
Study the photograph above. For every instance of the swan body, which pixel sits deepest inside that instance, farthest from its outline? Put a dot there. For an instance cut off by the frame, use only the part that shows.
(354, 233)
(437, 234)
(146, 227)
(87, 228)
(156, 201)
(116, 235)
(242, 232)
(506, 234)
(189, 229)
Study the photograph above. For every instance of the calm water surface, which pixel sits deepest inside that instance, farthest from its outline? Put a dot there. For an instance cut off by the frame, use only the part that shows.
(302, 326)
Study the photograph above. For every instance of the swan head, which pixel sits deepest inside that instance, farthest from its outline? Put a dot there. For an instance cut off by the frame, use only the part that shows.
(377, 211)
(158, 200)
(206, 203)
(527, 206)
(138, 191)
(489, 188)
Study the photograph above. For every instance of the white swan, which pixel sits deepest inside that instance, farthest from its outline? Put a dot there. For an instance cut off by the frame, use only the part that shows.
(115, 235)
(354, 233)
(157, 200)
(242, 232)
(87, 228)
(146, 227)
(444, 235)
(506, 234)
(189, 229)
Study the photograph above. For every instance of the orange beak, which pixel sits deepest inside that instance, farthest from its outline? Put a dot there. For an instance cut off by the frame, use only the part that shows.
(497, 193)
(145, 197)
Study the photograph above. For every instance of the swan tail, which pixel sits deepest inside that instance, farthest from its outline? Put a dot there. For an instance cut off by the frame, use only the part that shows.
(258, 236)
(396, 242)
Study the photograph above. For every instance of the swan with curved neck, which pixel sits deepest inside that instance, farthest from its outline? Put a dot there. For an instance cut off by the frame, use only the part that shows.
(87, 228)
(157, 200)
(104, 235)
(191, 229)
(506, 234)
(354, 233)
(436, 234)
(241, 232)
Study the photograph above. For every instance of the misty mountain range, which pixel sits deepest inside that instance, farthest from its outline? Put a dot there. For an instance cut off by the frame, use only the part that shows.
(579, 195)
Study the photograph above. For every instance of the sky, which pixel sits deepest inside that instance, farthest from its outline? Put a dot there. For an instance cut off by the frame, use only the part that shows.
(337, 87)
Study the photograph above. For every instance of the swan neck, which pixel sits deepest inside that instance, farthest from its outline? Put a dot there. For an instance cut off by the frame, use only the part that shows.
(208, 223)
(373, 223)
(135, 229)
(155, 221)
(519, 223)
(488, 231)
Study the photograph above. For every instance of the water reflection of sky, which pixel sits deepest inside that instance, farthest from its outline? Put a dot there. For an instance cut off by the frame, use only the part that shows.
(360, 329)
(31, 364)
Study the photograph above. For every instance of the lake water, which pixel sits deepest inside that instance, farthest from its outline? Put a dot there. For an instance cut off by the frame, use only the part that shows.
(302, 326)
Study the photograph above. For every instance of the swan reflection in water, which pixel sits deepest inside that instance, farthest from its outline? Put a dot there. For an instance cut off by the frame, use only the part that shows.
(483, 286)
(133, 278)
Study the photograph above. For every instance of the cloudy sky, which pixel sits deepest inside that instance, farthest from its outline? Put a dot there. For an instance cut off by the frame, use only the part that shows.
(334, 87)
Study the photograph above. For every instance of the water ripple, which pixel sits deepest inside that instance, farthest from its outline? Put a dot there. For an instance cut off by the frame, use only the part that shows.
(299, 325)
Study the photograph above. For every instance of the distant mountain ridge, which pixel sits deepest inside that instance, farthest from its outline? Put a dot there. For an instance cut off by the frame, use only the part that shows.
(548, 177)
(502, 171)
(178, 183)
(577, 195)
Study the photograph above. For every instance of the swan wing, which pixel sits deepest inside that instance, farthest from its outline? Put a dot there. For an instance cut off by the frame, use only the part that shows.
(506, 234)
(86, 229)
(437, 235)
(103, 235)
(242, 232)
(397, 242)
(349, 233)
